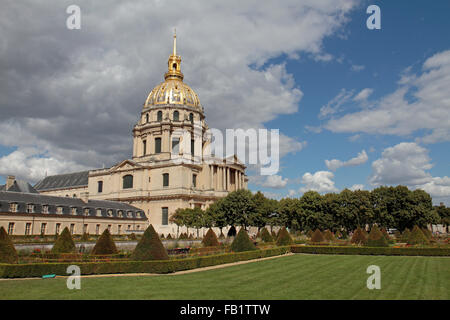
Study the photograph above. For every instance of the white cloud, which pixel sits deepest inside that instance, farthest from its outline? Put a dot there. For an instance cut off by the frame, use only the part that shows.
(363, 95)
(78, 97)
(407, 163)
(320, 181)
(396, 114)
(275, 181)
(357, 187)
(333, 106)
(335, 164)
(357, 68)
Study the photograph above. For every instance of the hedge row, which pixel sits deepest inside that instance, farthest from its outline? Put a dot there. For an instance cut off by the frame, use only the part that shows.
(164, 266)
(384, 251)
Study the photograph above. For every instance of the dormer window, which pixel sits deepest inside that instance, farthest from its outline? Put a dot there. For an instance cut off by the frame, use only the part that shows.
(99, 212)
(30, 208)
(59, 210)
(13, 207)
(74, 211)
(110, 214)
(45, 208)
(86, 211)
(130, 214)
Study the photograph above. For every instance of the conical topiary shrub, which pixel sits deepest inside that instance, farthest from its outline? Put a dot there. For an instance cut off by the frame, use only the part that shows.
(265, 235)
(242, 242)
(405, 235)
(8, 253)
(274, 234)
(284, 238)
(64, 243)
(105, 244)
(317, 237)
(150, 247)
(427, 233)
(210, 239)
(385, 234)
(359, 236)
(417, 237)
(309, 233)
(376, 238)
(328, 236)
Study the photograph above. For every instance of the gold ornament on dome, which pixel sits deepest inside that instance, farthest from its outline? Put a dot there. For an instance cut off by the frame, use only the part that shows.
(173, 90)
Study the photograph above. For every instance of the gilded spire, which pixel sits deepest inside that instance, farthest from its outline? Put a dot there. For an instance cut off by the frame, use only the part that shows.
(174, 62)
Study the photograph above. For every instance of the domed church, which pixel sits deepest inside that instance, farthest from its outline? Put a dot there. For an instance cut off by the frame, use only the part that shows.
(171, 166)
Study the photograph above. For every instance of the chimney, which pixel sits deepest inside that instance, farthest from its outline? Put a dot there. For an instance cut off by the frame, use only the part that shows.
(84, 196)
(9, 182)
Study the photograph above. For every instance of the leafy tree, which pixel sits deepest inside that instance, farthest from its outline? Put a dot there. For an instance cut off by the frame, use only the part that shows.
(289, 214)
(64, 243)
(210, 239)
(216, 213)
(149, 247)
(444, 215)
(239, 208)
(105, 244)
(264, 208)
(8, 253)
(242, 242)
(311, 208)
(284, 238)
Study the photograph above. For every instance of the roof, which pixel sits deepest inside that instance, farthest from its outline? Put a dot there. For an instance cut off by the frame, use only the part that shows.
(19, 186)
(63, 181)
(39, 200)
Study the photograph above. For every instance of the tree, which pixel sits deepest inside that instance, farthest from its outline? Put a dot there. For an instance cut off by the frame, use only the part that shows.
(210, 239)
(64, 243)
(284, 238)
(149, 247)
(105, 244)
(289, 214)
(354, 209)
(444, 215)
(8, 253)
(242, 242)
(312, 215)
(217, 214)
(239, 208)
(376, 238)
(264, 208)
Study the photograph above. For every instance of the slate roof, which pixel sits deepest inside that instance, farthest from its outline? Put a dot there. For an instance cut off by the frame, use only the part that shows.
(63, 181)
(19, 186)
(39, 200)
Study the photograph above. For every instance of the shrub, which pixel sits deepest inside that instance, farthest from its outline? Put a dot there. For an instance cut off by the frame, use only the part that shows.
(231, 232)
(274, 234)
(242, 242)
(359, 236)
(8, 253)
(405, 235)
(328, 235)
(417, 237)
(317, 236)
(105, 244)
(265, 235)
(64, 243)
(385, 234)
(284, 238)
(427, 233)
(376, 238)
(150, 247)
(210, 239)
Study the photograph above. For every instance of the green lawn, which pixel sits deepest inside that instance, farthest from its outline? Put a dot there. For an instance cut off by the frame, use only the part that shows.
(290, 277)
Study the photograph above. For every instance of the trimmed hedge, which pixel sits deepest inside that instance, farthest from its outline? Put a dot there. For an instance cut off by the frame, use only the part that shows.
(160, 267)
(150, 247)
(105, 244)
(210, 239)
(64, 243)
(317, 236)
(382, 251)
(284, 238)
(242, 242)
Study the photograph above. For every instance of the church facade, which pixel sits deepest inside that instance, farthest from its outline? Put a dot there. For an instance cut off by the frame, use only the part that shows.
(171, 166)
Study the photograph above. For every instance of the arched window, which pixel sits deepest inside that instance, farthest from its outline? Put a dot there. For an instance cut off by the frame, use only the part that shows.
(176, 116)
(128, 181)
(191, 117)
(159, 116)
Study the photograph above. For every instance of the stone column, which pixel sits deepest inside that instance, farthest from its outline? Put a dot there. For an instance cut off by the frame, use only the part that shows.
(211, 178)
(228, 179)
(223, 179)
(235, 180)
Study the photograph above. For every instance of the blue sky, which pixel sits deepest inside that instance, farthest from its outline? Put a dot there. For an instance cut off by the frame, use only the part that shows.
(375, 103)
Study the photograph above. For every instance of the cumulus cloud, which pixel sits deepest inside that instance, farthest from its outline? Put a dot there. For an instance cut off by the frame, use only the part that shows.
(335, 164)
(396, 114)
(407, 163)
(357, 187)
(275, 181)
(75, 94)
(320, 181)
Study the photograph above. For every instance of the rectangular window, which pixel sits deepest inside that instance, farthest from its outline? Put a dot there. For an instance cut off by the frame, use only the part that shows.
(157, 145)
(129, 227)
(192, 147)
(85, 228)
(13, 207)
(99, 186)
(165, 216)
(72, 228)
(74, 211)
(165, 179)
(28, 229)
(58, 228)
(11, 228)
(119, 229)
(30, 208)
(176, 145)
(144, 147)
(97, 229)
(59, 210)
(194, 180)
(43, 228)
(45, 209)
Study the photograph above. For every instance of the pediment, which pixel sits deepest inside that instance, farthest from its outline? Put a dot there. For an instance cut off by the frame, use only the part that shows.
(126, 165)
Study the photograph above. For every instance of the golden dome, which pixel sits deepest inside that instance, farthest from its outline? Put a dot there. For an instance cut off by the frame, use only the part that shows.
(173, 90)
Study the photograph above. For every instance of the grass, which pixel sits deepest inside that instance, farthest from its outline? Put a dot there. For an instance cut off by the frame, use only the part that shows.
(289, 277)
